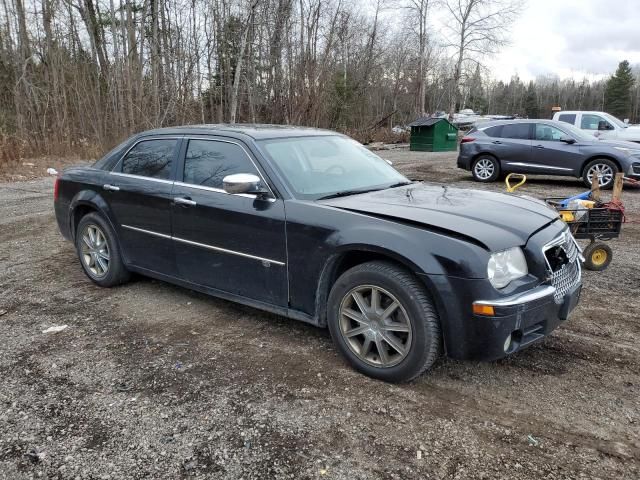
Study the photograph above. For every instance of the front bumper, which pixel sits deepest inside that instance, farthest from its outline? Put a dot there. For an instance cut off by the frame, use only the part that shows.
(521, 320)
(518, 320)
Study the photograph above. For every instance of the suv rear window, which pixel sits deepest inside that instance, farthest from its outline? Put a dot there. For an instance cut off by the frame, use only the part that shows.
(568, 118)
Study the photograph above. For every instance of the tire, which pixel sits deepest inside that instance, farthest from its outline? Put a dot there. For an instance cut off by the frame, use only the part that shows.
(99, 251)
(597, 256)
(485, 169)
(413, 325)
(606, 167)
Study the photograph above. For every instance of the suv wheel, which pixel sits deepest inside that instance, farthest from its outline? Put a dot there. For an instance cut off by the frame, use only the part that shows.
(602, 167)
(98, 251)
(383, 322)
(485, 169)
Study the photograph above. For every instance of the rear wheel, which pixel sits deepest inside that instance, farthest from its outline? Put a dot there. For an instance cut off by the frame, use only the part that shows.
(383, 322)
(485, 169)
(99, 252)
(604, 169)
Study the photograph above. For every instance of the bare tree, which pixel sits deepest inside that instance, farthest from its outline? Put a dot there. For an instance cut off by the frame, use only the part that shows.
(478, 28)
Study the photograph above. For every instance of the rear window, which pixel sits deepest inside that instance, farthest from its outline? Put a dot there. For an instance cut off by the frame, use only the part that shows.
(151, 158)
(494, 131)
(518, 131)
(568, 118)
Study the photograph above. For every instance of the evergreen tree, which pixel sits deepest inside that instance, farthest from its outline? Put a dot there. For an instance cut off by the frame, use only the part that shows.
(531, 102)
(618, 91)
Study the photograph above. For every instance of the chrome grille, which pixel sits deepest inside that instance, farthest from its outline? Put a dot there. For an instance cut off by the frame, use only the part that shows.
(566, 277)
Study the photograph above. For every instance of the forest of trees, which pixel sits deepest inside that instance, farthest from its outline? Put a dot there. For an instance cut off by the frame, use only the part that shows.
(84, 74)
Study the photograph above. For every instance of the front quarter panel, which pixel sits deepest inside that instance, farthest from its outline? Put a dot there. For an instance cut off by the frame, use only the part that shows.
(318, 234)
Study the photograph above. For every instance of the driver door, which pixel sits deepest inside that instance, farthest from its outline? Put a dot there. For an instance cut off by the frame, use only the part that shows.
(231, 243)
(551, 155)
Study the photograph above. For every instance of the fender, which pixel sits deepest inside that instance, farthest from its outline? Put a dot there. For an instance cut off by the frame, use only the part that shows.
(89, 198)
(415, 248)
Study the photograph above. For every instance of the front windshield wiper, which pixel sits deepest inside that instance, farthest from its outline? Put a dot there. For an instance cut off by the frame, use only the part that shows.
(346, 193)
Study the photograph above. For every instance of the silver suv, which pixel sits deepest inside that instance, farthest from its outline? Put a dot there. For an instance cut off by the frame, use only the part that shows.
(545, 147)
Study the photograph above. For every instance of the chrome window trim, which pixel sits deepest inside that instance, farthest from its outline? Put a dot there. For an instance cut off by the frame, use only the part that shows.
(144, 139)
(533, 165)
(204, 245)
(152, 179)
(219, 190)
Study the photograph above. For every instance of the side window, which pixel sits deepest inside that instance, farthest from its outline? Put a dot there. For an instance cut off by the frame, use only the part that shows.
(151, 158)
(495, 132)
(568, 118)
(548, 133)
(518, 131)
(592, 122)
(207, 162)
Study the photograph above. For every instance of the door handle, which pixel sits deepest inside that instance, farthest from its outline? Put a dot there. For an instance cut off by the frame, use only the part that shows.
(538, 146)
(184, 201)
(497, 142)
(111, 188)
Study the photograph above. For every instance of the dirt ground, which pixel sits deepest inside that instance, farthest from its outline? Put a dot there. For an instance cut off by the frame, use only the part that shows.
(151, 380)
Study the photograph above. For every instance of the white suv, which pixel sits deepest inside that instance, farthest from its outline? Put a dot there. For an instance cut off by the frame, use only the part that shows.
(600, 124)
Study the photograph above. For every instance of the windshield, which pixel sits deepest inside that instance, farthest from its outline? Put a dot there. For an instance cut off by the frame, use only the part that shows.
(316, 167)
(576, 133)
(613, 119)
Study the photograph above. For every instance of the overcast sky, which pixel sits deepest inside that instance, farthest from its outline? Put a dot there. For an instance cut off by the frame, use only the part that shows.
(571, 38)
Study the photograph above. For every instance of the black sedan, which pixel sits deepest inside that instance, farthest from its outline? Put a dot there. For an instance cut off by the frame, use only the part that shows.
(311, 225)
(545, 147)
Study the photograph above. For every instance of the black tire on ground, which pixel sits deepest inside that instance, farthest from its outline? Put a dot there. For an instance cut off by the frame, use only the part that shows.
(116, 273)
(416, 312)
(597, 256)
(485, 169)
(602, 164)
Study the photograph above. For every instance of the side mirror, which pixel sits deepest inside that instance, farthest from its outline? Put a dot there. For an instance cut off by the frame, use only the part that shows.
(568, 140)
(243, 183)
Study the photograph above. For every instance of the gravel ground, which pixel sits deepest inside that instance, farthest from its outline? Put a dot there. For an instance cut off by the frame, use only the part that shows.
(151, 380)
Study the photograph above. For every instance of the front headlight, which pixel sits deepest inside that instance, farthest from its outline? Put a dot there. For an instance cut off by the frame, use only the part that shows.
(506, 266)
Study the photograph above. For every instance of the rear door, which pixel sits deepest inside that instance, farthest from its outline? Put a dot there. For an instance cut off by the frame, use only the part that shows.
(232, 243)
(553, 156)
(138, 192)
(511, 144)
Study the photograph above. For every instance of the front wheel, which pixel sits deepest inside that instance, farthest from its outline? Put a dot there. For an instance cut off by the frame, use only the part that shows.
(383, 322)
(602, 168)
(485, 169)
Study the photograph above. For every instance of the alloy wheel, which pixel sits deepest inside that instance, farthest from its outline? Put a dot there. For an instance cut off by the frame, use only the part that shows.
(95, 251)
(375, 326)
(603, 171)
(484, 168)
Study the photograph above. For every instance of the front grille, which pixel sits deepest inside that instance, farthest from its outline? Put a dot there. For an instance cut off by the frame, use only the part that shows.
(562, 255)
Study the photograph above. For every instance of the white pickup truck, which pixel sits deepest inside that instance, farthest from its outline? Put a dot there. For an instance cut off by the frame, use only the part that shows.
(600, 124)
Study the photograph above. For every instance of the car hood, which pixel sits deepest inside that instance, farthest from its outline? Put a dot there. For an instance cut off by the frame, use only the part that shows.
(497, 221)
(619, 143)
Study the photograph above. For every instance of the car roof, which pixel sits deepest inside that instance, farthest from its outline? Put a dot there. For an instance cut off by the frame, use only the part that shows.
(493, 123)
(572, 112)
(253, 130)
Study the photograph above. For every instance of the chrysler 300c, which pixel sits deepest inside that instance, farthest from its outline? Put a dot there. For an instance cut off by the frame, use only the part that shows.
(311, 225)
